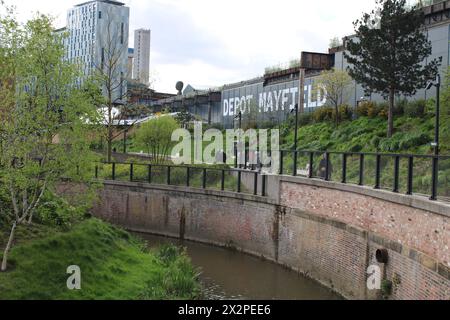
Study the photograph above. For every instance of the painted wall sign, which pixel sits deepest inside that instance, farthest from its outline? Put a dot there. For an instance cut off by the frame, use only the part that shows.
(278, 98)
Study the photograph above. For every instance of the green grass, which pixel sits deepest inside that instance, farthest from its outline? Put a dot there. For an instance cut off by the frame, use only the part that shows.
(114, 265)
(412, 135)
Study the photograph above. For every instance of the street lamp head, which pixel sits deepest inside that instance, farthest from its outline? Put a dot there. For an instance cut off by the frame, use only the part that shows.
(436, 82)
(295, 108)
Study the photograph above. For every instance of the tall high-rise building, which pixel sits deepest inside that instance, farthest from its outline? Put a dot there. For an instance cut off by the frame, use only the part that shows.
(98, 38)
(141, 68)
(130, 63)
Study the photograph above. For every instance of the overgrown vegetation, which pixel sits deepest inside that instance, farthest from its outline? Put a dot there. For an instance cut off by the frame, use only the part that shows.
(114, 265)
(44, 119)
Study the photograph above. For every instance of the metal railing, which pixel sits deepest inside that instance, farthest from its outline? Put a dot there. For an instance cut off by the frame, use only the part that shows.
(427, 175)
(390, 171)
(223, 179)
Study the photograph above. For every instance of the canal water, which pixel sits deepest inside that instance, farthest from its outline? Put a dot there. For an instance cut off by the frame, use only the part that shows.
(227, 274)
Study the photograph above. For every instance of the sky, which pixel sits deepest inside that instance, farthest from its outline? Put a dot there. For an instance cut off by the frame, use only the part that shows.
(208, 43)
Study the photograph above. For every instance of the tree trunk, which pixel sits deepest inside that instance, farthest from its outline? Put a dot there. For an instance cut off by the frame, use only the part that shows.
(110, 120)
(8, 247)
(390, 130)
(337, 115)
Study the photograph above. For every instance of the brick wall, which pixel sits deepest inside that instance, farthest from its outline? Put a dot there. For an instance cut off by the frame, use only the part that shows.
(333, 247)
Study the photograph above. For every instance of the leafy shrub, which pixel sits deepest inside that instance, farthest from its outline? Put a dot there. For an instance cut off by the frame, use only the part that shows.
(381, 110)
(305, 118)
(345, 113)
(56, 211)
(323, 114)
(401, 141)
(168, 253)
(416, 109)
(386, 288)
(155, 137)
(375, 142)
(400, 106)
(414, 140)
(362, 110)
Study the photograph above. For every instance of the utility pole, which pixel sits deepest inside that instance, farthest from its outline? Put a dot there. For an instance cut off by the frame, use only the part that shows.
(437, 125)
(435, 166)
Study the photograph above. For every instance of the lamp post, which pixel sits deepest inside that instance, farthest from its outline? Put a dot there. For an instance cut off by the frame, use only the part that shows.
(295, 139)
(238, 145)
(239, 117)
(435, 144)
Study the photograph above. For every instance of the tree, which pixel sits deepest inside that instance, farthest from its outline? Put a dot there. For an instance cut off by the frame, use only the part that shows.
(184, 118)
(156, 137)
(111, 73)
(45, 119)
(389, 58)
(334, 84)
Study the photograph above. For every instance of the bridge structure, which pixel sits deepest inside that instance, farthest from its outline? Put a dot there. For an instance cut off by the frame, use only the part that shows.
(332, 231)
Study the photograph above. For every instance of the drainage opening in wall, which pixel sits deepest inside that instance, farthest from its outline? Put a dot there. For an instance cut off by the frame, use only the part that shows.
(382, 256)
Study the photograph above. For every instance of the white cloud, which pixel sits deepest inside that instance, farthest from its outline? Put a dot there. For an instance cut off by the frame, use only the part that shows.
(213, 42)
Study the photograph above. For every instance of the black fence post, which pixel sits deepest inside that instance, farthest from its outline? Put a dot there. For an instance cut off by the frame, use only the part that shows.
(223, 181)
(361, 169)
(434, 178)
(246, 157)
(131, 172)
(96, 172)
(327, 166)
(150, 173)
(113, 171)
(281, 161)
(188, 173)
(239, 181)
(263, 187)
(204, 178)
(168, 175)
(409, 190)
(344, 168)
(294, 169)
(255, 191)
(311, 165)
(396, 173)
(235, 156)
(378, 172)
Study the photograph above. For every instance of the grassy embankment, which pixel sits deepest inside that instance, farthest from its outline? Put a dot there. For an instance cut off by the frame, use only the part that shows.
(368, 134)
(114, 265)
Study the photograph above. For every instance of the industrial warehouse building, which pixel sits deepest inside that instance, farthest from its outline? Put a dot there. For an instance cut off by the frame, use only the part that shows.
(271, 98)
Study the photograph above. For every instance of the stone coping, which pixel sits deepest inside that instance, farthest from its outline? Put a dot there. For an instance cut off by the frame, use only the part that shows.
(413, 201)
(192, 190)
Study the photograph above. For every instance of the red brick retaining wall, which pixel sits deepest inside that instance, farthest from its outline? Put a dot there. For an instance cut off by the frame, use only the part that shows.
(331, 241)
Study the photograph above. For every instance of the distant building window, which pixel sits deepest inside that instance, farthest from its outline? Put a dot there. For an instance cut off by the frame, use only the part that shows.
(121, 33)
(103, 56)
(99, 14)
